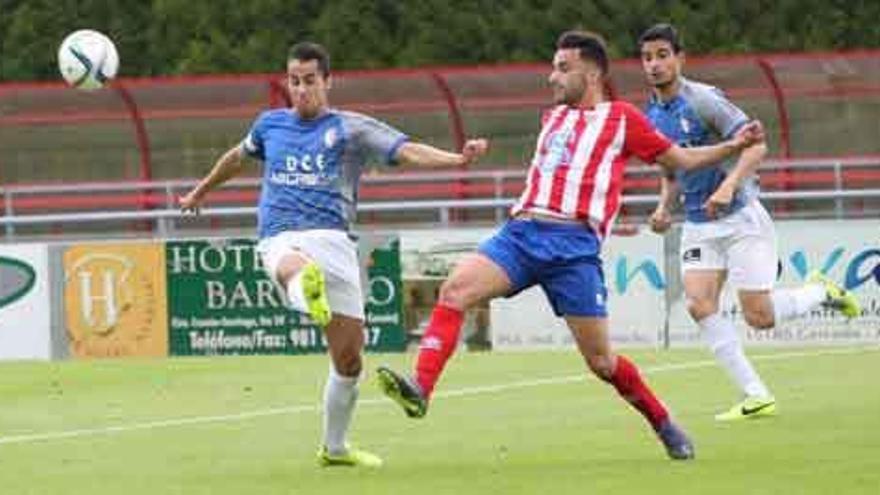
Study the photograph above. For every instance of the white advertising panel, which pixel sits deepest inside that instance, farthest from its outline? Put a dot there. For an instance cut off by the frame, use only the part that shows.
(638, 285)
(24, 302)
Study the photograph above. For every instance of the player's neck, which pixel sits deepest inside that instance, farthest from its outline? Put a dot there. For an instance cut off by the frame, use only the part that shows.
(667, 92)
(589, 101)
(313, 114)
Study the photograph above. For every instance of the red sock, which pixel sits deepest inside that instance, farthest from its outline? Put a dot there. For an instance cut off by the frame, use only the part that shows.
(633, 389)
(437, 346)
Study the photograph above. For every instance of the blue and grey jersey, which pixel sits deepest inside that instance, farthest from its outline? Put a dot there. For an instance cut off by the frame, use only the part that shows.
(311, 167)
(701, 115)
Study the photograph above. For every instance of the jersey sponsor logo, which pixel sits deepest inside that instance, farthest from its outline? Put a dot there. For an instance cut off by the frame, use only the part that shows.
(304, 170)
(330, 137)
(692, 255)
(557, 151)
(685, 125)
(17, 278)
(305, 163)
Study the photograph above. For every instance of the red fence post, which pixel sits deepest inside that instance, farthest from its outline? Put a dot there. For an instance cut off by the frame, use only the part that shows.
(784, 127)
(458, 133)
(454, 113)
(143, 142)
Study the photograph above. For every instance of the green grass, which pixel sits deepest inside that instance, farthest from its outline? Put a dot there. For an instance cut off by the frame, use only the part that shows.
(255, 428)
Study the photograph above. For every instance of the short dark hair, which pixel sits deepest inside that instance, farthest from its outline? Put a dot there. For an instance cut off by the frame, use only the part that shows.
(590, 45)
(662, 32)
(306, 51)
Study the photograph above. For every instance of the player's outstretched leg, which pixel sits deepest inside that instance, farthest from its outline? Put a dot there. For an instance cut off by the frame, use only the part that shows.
(678, 446)
(819, 290)
(435, 349)
(836, 297)
(628, 382)
(403, 390)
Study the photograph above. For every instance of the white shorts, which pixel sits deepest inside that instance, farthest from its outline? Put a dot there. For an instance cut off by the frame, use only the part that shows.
(743, 244)
(334, 252)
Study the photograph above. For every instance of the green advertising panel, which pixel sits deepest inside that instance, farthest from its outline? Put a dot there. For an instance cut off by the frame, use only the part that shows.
(221, 302)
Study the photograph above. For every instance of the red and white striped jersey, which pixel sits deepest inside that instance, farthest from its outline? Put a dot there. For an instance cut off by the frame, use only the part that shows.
(577, 169)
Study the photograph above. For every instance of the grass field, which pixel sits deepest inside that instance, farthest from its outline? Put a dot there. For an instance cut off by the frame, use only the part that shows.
(504, 424)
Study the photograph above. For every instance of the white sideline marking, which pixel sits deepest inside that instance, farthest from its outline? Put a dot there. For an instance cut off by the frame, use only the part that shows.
(485, 389)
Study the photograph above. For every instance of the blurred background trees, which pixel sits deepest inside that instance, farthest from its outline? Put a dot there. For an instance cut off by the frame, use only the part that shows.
(169, 37)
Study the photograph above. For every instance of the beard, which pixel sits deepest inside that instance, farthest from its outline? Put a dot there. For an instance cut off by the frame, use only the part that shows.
(567, 96)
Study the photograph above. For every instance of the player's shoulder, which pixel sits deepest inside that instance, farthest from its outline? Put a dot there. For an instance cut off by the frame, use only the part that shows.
(350, 116)
(627, 110)
(354, 122)
(699, 91)
(624, 106)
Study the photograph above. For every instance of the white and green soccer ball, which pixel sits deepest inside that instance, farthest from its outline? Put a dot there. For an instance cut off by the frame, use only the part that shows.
(87, 59)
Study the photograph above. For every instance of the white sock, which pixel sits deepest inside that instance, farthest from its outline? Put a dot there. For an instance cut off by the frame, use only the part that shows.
(724, 341)
(795, 303)
(295, 295)
(340, 397)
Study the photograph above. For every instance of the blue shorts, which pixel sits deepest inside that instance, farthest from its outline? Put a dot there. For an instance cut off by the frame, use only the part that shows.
(562, 258)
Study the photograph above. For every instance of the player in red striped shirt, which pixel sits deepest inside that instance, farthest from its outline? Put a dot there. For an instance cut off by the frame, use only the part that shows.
(553, 238)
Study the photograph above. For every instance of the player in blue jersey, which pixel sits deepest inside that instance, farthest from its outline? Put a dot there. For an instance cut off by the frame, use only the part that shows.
(312, 157)
(727, 233)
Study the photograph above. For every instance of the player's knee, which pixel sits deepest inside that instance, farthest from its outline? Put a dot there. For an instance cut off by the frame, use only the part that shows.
(760, 319)
(601, 365)
(700, 308)
(348, 363)
(455, 294)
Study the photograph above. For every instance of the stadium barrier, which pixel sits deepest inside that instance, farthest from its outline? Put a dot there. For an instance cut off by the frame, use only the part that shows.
(812, 104)
(171, 298)
(209, 297)
(838, 188)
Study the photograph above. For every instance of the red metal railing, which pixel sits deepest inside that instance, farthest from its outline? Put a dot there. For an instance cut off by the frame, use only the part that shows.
(471, 100)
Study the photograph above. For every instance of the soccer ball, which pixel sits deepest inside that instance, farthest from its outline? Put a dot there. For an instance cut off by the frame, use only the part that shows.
(87, 59)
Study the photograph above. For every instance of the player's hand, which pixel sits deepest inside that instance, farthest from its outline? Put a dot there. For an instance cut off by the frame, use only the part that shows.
(660, 220)
(474, 149)
(719, 201)
(190, 203)
(750, 134)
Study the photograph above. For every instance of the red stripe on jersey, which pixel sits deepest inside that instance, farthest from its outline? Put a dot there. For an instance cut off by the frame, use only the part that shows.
(560, 175)
(553, 127)
(588, 182)
(532, 185)
(535, 177)
(615, 189)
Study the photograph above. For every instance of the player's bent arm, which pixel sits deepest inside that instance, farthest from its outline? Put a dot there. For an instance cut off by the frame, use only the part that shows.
(748, 161)
(227, 166)
(690, 158)
(425, 155)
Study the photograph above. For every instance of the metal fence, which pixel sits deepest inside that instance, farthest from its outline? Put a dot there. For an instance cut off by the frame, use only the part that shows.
(821, 104)
(792, 189)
